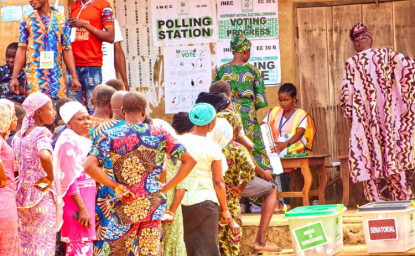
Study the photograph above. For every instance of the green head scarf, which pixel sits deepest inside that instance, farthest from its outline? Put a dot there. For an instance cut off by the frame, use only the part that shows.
(240, 43)
(202, 114)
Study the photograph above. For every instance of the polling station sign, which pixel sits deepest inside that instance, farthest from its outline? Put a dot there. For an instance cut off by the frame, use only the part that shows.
(254, 18)
(265, 56)
(183, 22)
(310, 236)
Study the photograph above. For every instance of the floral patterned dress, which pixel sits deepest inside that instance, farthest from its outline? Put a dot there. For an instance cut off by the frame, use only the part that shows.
(248, 95)
(241, 169)
(172, 243)
(36, 208)
(136, 152)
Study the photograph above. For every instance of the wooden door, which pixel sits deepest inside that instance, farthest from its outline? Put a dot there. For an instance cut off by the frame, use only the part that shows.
(322, 47)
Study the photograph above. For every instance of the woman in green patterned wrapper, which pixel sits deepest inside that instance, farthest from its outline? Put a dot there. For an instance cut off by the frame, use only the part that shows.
(248, 93)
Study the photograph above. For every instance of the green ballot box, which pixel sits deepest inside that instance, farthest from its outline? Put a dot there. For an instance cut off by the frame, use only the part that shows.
(316, 230)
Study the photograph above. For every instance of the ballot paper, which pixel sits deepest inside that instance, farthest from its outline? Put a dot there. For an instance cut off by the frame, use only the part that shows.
(274, 158)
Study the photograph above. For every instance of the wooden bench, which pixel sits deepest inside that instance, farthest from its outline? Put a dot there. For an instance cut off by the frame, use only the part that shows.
(304, 163)
(357, 197)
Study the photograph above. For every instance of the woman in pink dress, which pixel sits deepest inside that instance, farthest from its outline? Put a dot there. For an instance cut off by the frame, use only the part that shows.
(36, 193)
(9, 236)
(75, 188)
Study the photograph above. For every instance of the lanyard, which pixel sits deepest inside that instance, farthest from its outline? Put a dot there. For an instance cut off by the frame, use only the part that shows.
(43, 26)
(282, 117)
(84, 6)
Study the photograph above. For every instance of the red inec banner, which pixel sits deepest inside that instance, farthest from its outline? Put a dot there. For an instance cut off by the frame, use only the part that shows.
(382, 229)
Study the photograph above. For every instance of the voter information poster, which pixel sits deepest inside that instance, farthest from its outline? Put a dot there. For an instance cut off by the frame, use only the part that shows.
(183, 22)
(254, 18)
(265, 56)
(310, 236)
(11, 13)
(187, 72)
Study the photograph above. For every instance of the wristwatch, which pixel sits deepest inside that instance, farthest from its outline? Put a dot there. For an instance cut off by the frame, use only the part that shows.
(288, 144)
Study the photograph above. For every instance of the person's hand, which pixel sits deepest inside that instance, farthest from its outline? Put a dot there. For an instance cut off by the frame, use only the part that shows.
(168, 220)
(236, 192)
(84, 218)
(75, 85)
(14, 86)
(279, 147)
(235, 228)
(3, 183)
(122, 189)
(44, 179)
(226, 217)
(77, 23)
(266, 175)
(163, 187)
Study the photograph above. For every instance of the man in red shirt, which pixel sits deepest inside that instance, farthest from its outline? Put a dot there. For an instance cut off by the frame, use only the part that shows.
(89, 18)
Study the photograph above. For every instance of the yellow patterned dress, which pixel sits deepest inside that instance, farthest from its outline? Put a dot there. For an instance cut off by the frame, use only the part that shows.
(172, 243)
(241, 169)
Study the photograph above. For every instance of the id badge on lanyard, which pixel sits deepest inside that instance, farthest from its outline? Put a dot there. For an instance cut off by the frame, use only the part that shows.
(47, 58)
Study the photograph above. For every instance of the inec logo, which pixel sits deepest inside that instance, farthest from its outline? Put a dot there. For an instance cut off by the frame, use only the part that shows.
(183, 7)
(247, 5)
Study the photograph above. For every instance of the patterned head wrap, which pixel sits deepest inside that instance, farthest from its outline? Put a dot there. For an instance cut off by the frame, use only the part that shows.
(232, 117)
(202, 114)
(6, 115)
(32, 103)
(222, 133)
(218, 100)
(240, 43)
(359, 32)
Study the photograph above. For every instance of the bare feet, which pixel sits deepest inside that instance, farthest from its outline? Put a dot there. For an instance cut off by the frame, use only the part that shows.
(268, 247)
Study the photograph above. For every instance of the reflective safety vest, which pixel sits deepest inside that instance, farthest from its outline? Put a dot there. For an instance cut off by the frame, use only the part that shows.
(290, 127)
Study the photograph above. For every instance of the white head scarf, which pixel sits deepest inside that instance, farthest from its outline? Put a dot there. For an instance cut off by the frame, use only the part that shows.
(222, 134)
(68, 110)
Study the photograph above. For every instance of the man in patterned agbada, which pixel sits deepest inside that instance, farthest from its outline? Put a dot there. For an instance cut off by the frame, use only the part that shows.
(136, 152)
(378, 98)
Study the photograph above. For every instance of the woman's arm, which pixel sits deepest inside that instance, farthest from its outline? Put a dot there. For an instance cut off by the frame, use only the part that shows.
(46, 162)
(187, 165)
(3, 176)
(280, 146)
(219, 186)
(84, 218)
(178, 197)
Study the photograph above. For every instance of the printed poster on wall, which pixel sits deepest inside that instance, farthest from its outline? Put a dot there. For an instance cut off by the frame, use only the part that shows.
(254, 18)
(187, 72)
(265, 56)
(178, 22)
(11, 13)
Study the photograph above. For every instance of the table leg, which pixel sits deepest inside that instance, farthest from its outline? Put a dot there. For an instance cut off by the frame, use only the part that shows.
(344, 172)
(323, 183)
(308, 179)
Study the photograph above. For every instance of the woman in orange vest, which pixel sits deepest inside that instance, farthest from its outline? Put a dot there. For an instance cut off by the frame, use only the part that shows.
(292, 128)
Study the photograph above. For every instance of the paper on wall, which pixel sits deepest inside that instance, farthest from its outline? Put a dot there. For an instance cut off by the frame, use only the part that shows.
(265, 55)
(11, 13)
(187, 72)
(183, 22)
(255, 19)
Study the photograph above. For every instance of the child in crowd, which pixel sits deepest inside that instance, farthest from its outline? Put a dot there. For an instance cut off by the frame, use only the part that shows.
(6, 76)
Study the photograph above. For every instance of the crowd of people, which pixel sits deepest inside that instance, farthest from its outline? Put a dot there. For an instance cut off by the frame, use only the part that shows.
(85, 170)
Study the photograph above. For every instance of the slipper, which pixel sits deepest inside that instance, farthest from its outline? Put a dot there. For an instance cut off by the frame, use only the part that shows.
(269, 247)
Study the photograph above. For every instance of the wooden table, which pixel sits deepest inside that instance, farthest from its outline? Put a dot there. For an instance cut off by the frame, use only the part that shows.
(304, 163)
